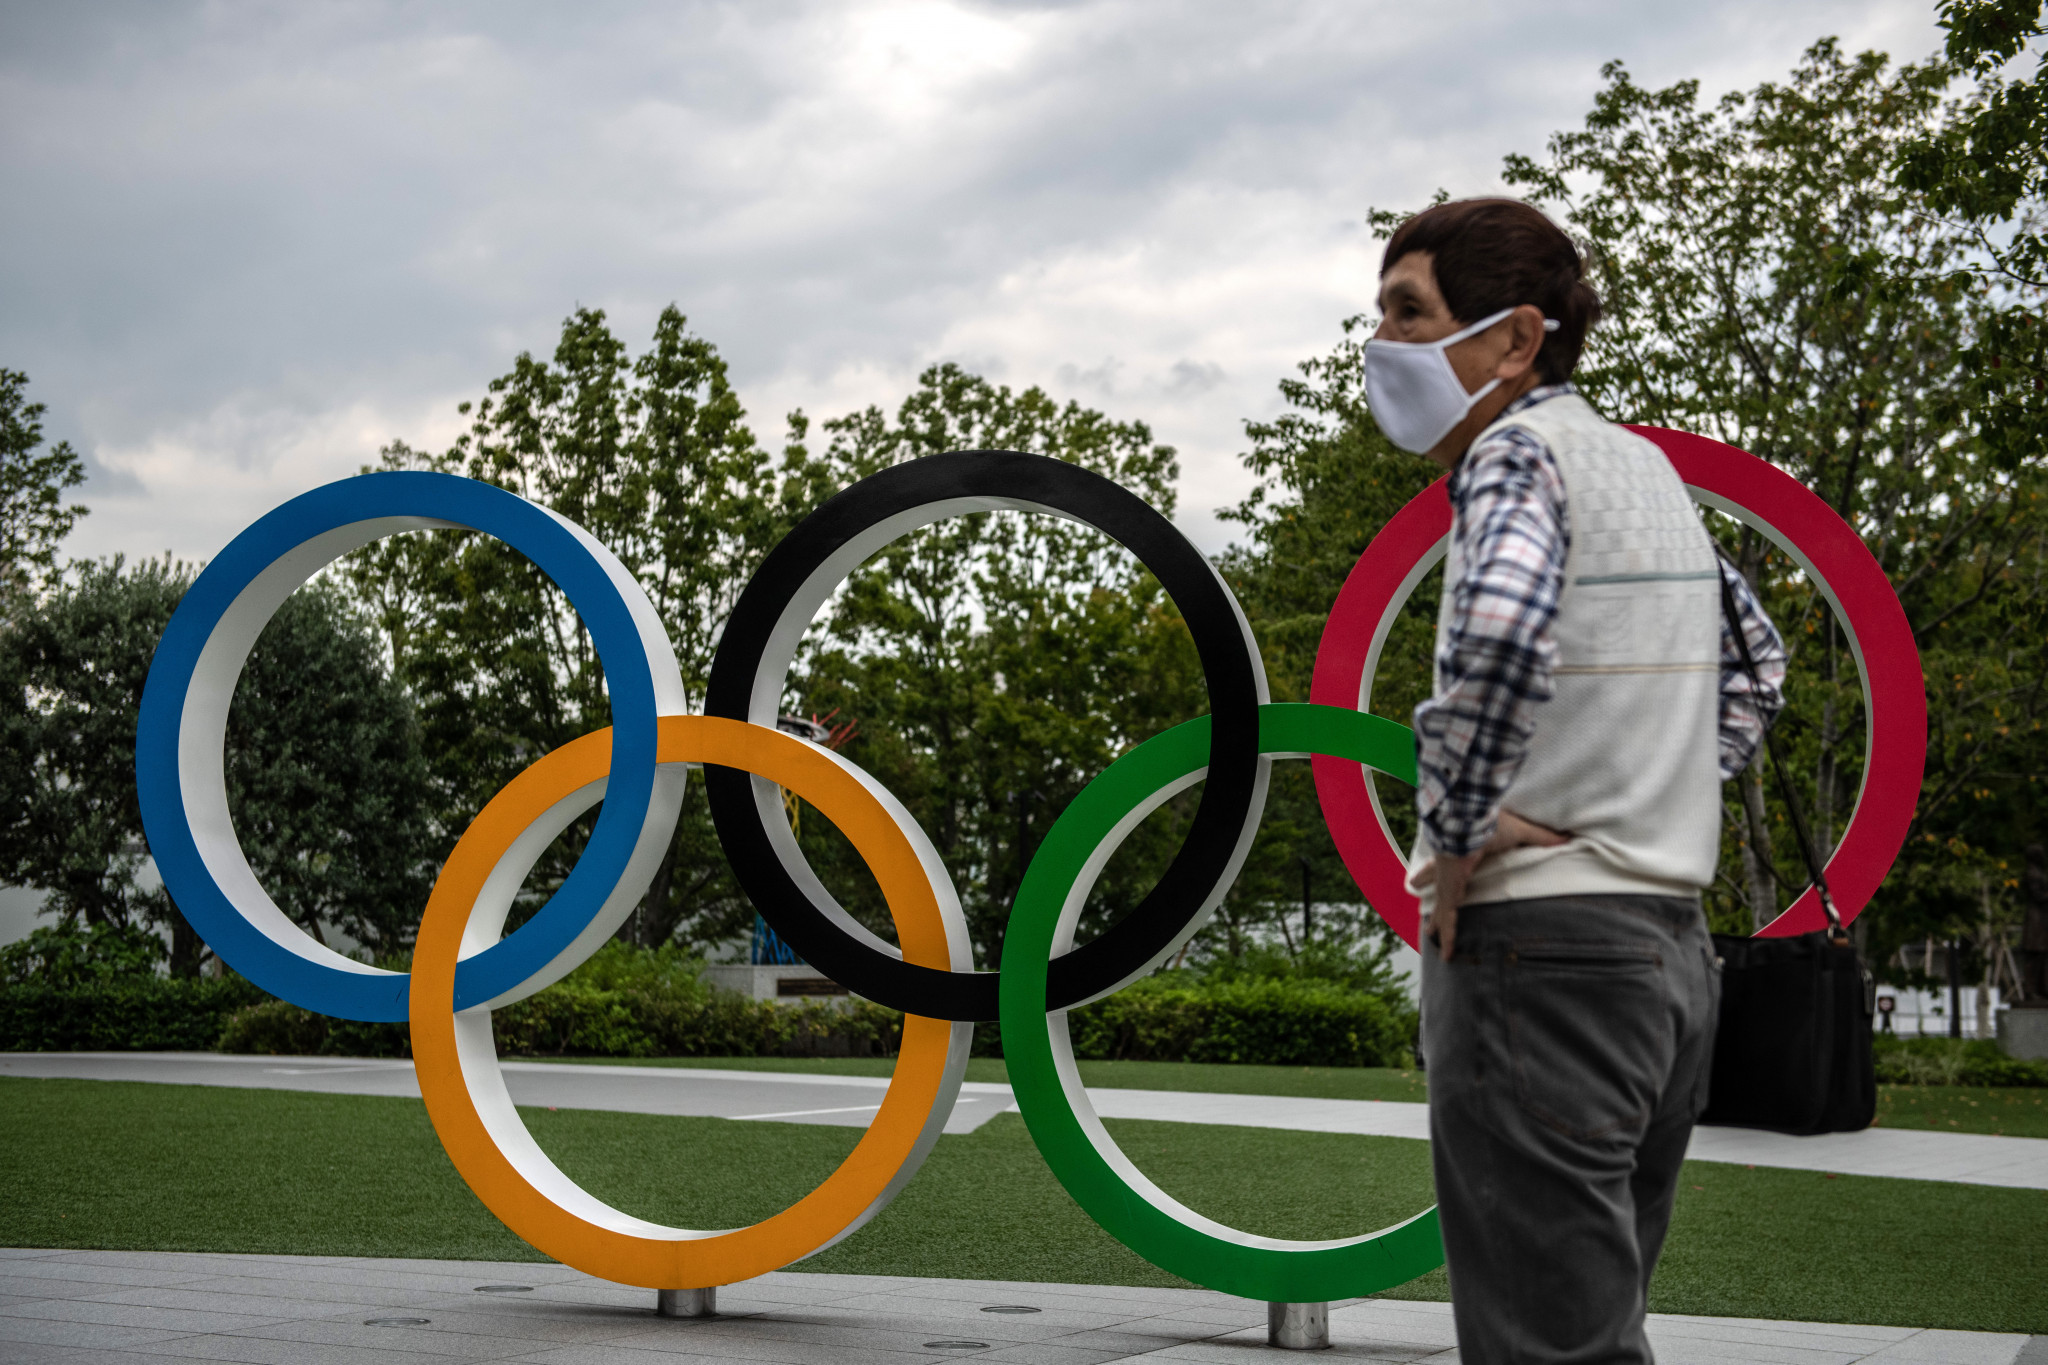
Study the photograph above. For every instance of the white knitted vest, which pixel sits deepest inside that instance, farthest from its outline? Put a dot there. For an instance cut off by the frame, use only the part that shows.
(1626, 754)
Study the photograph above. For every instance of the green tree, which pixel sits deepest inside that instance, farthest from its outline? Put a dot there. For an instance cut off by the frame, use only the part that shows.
(1735, 244)
(68, 956)
(653, 457)
(323, 768)
(1738, 249)
(995, 663)
(33, 516)
(1328, 481)
(1987, 169)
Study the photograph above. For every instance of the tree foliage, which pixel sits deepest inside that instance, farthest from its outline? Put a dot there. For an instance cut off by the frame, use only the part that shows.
(1747, 252)
(1739, 252)
(1840, 272)
(1987, 169)
(653, 457)
(323, 767)
(68, 956)
(33, 515)
(997, 662)
(1328, 481)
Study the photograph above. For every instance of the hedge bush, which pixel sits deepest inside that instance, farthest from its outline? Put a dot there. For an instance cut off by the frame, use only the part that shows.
(629, 1002)
(624, 1002)
(135, 1014)
(1274, 1021)
(567, 1021)
(1951, 1061)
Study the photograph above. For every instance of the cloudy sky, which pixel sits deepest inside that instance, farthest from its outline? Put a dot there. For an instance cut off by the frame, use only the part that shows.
(247, 244)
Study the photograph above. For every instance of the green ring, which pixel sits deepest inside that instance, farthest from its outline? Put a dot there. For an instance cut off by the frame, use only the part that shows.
(1041, 1060)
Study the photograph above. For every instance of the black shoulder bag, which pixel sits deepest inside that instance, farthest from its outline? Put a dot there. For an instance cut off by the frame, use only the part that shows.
(1793, 1050)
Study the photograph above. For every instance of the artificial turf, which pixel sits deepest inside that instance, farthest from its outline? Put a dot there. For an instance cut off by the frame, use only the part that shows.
(2006, 1111)
(1314, 1082)
(160, 1167)
(2012, 1112)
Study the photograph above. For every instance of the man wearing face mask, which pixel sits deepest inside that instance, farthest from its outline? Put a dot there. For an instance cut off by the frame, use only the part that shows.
(1589, 701)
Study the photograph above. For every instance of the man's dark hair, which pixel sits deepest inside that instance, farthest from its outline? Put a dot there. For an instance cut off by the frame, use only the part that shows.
(1492, 254)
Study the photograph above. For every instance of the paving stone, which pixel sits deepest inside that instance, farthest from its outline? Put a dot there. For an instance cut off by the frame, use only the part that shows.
(1130, 1339)
(134, 1315)
(1955, 1348)
(21, 1289)
(953, 1313)
(1695, 1351)
(35, 1353)
(767, 1353)
(311, 1311)
(82, 1336)
(81, 1271)
(1051, 1353)
(432, 1340)
(308, 1291)
(255, 1307)
(372, 1276)
(823, 1333)
(270, 1351)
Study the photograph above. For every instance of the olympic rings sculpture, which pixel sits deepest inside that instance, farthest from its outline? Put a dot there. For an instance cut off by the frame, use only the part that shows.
(465, 964)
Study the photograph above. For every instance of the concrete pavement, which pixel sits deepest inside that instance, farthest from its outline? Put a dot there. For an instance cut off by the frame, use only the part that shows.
(847, 1101)
(134, 1308)
(781, 1097)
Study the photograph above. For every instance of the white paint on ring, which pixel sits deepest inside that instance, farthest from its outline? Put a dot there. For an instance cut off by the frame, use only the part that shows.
(1070, 1074)
(484, 1079)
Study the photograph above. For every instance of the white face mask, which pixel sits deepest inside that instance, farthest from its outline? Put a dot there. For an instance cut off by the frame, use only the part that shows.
(1414, 393)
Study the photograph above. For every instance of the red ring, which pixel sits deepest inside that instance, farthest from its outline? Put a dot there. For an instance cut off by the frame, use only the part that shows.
(1729, 480)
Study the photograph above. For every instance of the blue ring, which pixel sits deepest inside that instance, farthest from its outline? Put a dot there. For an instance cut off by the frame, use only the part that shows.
(550, 544)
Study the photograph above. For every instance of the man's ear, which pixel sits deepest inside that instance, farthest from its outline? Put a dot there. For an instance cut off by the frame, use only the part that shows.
(1525, 330)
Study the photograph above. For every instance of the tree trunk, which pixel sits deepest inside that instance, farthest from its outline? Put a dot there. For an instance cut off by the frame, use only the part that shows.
(1756, 848)
(186, 947)
(1824, 770)
(1990, 956)
(2033, 962)
(651, 926)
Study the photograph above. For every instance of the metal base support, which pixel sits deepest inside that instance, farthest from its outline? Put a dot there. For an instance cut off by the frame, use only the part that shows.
(690, 1303)
(1298, 1326)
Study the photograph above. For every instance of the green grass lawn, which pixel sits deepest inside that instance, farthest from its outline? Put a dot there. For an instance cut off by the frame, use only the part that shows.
(160, 1167)
(2010, 1111)
(1314, 1082)
(2015, 1112)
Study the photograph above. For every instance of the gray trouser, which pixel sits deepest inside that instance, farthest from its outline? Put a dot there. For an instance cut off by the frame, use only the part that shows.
(1568, 1046)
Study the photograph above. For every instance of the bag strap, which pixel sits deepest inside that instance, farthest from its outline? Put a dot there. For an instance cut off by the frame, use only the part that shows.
(1836, 930)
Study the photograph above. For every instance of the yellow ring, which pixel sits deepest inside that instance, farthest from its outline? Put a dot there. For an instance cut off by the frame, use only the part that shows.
(456, 1057)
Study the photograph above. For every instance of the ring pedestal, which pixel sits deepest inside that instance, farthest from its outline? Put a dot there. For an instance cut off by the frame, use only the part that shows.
(1298, 1326)
(686, 1303)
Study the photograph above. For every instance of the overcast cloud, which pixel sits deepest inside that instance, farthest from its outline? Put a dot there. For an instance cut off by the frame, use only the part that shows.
(248, 244)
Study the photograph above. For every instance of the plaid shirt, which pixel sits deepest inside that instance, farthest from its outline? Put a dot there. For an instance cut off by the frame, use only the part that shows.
(1493, 669)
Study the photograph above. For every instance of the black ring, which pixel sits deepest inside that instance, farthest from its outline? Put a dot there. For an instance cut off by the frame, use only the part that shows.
(792, 583)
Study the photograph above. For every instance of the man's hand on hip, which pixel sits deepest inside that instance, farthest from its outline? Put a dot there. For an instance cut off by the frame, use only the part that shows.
(1454, 874)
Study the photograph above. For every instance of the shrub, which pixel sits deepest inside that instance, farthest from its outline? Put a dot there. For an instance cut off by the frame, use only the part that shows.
(146, 1014)
(1241, 1017)
(1278, 1022)
(281, 1029)
(68, 956)
(623, 1002)
(629, 1002)
(1951, 1061)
